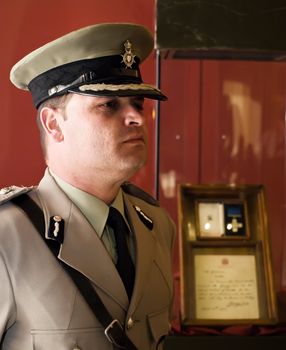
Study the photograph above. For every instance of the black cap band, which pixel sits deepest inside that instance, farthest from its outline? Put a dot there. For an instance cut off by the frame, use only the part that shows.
(60, 80)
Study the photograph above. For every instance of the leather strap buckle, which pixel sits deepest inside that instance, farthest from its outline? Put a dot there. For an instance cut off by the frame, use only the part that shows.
(114, 333)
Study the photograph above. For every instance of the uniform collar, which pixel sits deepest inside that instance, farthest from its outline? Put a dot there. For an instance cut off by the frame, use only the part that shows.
(93, 208)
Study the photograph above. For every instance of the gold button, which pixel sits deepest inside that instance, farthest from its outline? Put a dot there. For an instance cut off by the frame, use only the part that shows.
(130, 323)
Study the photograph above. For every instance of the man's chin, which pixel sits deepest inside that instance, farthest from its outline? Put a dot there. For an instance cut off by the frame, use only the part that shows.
(133, 166)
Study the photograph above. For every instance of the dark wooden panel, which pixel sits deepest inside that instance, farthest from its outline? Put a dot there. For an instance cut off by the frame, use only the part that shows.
(222, 28)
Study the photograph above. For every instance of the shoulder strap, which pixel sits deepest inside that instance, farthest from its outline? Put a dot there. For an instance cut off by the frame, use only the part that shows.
(112, 327)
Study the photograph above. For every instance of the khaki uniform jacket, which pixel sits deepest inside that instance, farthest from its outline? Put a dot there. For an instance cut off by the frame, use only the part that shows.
(40, 307)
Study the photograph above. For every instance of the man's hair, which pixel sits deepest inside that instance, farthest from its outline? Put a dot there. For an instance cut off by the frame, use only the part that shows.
(58, 102)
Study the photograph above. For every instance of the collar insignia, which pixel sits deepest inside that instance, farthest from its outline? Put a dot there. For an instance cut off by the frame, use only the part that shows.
(56, 228)
(144, 218)
(128, 57)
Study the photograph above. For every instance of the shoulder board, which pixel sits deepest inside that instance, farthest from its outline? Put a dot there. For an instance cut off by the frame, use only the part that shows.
(135, 191)
(7, 193)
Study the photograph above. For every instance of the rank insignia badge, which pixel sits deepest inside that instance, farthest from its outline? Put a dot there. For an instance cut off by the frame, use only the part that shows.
(128, 57)
(8, 193)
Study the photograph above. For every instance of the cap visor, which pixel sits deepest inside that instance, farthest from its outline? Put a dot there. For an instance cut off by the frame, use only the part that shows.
(123, 90)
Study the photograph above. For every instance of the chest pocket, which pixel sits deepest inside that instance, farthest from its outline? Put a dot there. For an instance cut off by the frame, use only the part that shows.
(72, 339)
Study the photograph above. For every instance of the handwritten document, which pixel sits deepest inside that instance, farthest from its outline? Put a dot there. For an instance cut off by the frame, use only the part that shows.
(226, 287)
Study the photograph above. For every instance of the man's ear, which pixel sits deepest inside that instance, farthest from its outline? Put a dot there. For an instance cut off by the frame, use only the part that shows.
(50, 119)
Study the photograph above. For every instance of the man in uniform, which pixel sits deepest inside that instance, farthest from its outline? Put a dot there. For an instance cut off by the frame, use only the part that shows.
(85, 257)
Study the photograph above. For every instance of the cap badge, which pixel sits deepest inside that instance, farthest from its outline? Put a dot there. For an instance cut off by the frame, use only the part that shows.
(128, 57)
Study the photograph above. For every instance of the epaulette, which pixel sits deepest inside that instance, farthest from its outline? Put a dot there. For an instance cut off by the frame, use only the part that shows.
(7, 193)
(139, 193)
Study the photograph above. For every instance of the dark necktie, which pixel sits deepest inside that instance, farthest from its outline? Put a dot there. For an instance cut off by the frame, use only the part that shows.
(124, 265)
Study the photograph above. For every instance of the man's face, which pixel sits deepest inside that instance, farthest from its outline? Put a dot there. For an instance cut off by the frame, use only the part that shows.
(105, 134)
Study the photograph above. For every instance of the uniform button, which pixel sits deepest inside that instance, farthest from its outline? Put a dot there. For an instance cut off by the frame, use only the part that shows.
(130, 323)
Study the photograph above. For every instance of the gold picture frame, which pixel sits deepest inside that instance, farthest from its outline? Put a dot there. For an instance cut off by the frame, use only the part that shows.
(225, 278)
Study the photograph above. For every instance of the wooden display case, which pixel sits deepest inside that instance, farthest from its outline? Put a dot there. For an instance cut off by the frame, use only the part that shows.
(225, 260)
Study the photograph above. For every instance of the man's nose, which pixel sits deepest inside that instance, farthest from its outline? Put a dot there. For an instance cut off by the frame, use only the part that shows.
(134, 116)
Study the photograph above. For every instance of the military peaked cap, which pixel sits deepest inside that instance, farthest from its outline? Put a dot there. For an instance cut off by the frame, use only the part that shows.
(101, 59)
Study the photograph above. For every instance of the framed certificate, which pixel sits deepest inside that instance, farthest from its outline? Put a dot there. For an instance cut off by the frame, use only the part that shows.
(226, 287)
(225, 259)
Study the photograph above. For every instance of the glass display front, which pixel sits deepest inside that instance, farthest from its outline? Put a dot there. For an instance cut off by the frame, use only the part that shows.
(224, 123)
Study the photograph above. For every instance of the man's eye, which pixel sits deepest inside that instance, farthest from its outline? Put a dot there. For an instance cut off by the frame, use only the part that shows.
(110, 104)
(139, 105)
